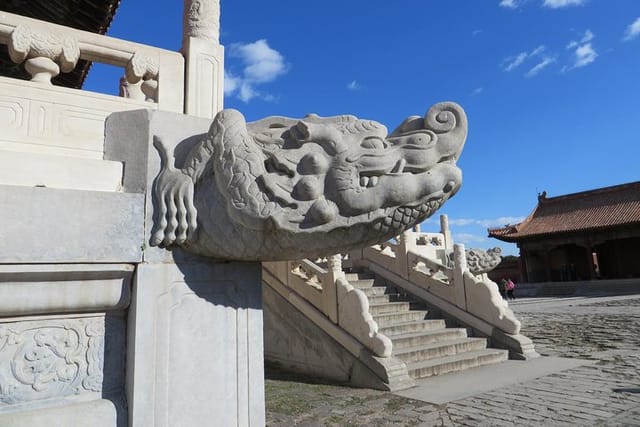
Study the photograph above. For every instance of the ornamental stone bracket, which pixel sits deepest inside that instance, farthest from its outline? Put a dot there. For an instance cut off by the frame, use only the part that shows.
(46, 51)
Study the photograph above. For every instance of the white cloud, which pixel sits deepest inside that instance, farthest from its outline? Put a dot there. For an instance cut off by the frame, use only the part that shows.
(500, 221)
(468, 238)
(231, 83)
(261, 64)
(587, 37)
(584, 55)
(475, 32)
(353, 85)
(546, 61)
(583, 52)
(632, 31)
(477, 91)
(509, 4)
(513, 62)
(486, 223)
(556, 4)
(461, 221)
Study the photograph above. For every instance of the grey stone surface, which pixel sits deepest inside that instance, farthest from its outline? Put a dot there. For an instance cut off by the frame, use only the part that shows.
(97, 413)
(46, 225)
(283, 188)
(195, 348)
(29, 289)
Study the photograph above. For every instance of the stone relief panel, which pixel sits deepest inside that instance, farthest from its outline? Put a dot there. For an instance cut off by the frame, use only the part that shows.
(50, 358)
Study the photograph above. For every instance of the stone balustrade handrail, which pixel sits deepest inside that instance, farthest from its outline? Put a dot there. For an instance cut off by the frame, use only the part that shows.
(472, 299)
(328, 291)
(160, 71)
(432, 266)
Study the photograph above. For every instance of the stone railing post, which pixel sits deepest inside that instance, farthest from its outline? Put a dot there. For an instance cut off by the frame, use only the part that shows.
(444, 229)
(406, 243)
(459, 267)
(329, 289)
(204, 57)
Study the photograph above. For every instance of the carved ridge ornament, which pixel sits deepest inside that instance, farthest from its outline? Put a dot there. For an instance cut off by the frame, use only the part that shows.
(40, 360)
(283, 188)
(47, 52)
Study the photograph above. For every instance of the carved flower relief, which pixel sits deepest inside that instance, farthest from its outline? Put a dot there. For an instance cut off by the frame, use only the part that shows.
(40, 360)
(27, 42)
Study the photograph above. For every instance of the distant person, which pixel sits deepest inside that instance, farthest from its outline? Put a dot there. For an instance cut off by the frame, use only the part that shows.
(510, 287)
(502, 287)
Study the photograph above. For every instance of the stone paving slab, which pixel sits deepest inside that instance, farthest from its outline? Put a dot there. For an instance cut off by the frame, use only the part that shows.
(459, 385)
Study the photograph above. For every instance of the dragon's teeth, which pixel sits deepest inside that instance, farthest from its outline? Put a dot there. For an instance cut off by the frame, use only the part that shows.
(373, 181)
(364, 181)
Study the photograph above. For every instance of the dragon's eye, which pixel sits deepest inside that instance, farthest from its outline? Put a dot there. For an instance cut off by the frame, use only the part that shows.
(373, 143)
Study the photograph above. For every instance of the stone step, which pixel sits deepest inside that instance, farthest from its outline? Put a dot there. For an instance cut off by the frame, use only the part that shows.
(374, 291)
(439, 350)
(387, 298)
(427, 337)
(412, 327)
(388, 319)
(358, 276)
(389, 307)
(455, 363)
(362, 283)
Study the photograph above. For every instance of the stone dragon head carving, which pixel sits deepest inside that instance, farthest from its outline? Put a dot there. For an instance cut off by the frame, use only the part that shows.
(283, 188)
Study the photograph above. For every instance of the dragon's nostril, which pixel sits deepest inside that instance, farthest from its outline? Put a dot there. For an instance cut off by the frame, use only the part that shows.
(449, 187)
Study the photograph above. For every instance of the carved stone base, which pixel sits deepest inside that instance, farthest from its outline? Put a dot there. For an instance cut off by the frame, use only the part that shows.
(195, 354)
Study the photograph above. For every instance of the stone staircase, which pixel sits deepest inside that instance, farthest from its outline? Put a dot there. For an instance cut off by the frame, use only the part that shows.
(421, 339)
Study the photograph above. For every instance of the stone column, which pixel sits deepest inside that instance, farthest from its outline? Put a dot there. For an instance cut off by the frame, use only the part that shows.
(204, 58)
(444, 229)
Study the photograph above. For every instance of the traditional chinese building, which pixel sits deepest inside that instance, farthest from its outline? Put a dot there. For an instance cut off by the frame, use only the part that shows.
(589, 235)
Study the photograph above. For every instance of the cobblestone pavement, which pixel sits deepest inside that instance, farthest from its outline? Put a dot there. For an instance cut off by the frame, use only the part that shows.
(606, 393)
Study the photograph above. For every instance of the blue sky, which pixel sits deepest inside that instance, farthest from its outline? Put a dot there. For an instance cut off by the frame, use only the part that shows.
(551, 87)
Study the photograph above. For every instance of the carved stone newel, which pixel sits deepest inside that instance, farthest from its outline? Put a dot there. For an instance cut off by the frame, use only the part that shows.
(202, 19)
